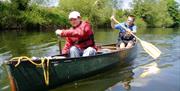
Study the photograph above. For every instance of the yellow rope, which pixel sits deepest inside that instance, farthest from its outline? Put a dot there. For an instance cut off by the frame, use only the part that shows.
(45, 70)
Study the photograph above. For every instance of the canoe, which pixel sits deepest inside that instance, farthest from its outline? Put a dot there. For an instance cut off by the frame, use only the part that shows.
(58, 70)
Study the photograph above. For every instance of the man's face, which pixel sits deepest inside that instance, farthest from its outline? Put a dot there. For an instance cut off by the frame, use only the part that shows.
(74, 21)
(130, 21)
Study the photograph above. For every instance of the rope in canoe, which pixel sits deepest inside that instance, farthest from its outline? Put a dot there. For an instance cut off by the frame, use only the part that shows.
(45, 67)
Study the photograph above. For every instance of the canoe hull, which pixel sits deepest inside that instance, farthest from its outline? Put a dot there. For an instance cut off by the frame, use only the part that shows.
(29, 77)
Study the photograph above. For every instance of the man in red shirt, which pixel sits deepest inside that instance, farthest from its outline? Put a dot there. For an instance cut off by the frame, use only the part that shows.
(79, 38)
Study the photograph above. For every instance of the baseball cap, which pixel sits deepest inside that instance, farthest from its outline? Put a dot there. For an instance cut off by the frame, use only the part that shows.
(74, 14)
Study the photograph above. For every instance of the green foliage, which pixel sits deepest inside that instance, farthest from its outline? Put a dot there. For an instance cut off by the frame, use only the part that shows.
(33, 15)
(150, 13)
(7, 15)
(4, 12)
(21, 13)
(174, 12)
(97, 11)
(140, 22)
(42, 16)
(155, 13)
(121, 16)
(56, 16)
(20, 4)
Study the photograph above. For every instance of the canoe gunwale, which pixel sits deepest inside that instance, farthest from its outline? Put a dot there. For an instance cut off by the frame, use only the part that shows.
(64, 60)
(68, 59)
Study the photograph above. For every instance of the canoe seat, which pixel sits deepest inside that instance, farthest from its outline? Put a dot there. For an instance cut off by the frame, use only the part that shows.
(58, 57)
(106, 50)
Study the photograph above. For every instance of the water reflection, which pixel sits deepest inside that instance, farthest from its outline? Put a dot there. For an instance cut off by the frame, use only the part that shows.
(4, 82)
(150, 69)
(26, 43)
(12, 43)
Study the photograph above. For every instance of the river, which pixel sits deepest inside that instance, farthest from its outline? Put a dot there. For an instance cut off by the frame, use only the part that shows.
(136, 76)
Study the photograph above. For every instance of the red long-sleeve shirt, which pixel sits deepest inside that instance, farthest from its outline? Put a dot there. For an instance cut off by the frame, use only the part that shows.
(80, 36)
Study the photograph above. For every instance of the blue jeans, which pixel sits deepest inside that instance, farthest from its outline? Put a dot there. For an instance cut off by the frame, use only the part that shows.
(76, 52)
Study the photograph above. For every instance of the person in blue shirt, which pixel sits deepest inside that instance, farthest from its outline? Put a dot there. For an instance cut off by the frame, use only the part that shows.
(125, 38)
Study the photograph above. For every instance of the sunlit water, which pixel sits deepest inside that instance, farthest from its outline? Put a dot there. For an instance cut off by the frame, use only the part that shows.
(143, 74)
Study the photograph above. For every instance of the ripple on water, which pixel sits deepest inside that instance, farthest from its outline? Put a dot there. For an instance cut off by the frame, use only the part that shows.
(5, 56)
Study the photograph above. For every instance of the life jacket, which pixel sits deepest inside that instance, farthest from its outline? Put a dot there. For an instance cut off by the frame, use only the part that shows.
(87, 40)
(124, 36)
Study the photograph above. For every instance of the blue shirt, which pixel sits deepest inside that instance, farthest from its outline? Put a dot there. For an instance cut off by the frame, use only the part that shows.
(118, 26)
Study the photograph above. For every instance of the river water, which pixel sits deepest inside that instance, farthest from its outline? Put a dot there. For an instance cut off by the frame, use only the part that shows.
(143, 74)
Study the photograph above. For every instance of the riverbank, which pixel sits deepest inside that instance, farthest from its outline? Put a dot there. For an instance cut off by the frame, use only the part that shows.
(27, 15)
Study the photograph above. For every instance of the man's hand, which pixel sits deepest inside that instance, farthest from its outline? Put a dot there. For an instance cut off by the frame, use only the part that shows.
(112, 18)
(58, 32)
(128, 32)
(112, 21)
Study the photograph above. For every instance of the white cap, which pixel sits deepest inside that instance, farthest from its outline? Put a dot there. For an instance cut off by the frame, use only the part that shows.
(74, 14)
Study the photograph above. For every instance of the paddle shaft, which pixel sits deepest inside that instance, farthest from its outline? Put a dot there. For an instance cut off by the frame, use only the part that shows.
(59, 45)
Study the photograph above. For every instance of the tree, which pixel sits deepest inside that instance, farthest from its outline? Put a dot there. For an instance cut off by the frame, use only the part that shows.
(24, 13)
(174, 12)
(154, 12)
(97, 11)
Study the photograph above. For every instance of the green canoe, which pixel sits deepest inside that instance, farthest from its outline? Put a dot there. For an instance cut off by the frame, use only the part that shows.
(57, 70)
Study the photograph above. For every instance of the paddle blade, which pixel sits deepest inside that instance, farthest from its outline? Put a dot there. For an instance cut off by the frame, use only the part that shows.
(150, 49)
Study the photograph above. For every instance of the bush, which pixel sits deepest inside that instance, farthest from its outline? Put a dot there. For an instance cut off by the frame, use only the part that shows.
(96, 11)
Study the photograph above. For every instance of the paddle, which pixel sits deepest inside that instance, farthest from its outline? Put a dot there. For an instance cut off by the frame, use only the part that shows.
(59, 44)
(148, 47)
